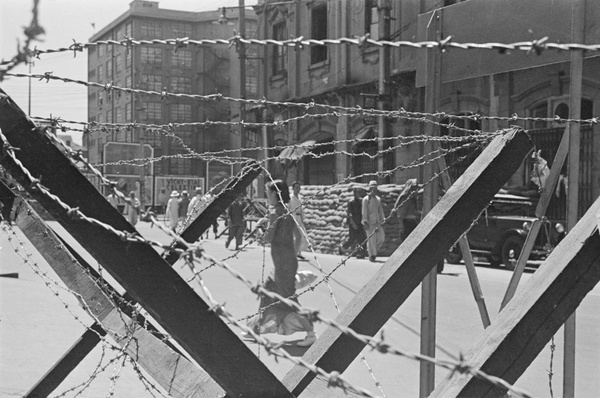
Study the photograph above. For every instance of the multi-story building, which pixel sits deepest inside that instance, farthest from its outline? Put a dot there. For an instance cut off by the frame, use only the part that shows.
(471, 82)
(188, 70)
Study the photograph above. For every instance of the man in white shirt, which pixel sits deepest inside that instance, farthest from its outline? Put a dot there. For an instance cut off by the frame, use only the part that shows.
(372, 220)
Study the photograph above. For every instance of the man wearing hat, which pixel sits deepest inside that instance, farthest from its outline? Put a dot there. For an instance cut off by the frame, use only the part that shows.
(372, 220)
(194, 206)
(173, 210)
(183, 206)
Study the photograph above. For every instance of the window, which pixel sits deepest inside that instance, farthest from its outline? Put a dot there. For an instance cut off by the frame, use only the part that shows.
(118, 115)
(100, 73)
(92, 97)
(128, 112)
(251, 138)
(109, 117)
(151, 30)
(128, 82)
(129, 30)
(153, 82)
(182, 58)
(181, 85)
(181, 112)
(181, 30)
(109, 70)
(151, 55)
(153, 110)
(178, 165)
(185, 134)
(153, 138)
(100, 50)
(279, 52)
(118, 63)
(92, 74)
(318, 32)
(128, 58)
(100, 99)
(372, 19)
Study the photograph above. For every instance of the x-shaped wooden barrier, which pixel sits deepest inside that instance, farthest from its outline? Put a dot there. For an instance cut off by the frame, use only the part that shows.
(188, 319)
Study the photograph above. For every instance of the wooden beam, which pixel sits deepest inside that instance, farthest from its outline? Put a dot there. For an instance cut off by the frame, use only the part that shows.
(173, 371)
(381, 297)
(217, 207)
(540, 212)
(136, 266)
(534, 315)
(57, 374)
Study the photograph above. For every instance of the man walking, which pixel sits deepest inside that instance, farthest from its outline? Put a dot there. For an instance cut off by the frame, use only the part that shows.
(372, 220)
(235, 217)
(356, 232)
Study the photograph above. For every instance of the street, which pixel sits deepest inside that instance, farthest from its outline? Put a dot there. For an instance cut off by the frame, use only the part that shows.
(36, 328)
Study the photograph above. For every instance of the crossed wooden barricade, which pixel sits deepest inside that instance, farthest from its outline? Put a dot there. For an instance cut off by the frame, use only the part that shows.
(226, 365)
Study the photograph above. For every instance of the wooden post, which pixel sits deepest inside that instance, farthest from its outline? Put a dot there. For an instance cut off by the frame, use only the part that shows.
(540, 211)
(136, 266)
(534, 315)
(416, 257)
(383, 9)
(430, 197)
(576, 77)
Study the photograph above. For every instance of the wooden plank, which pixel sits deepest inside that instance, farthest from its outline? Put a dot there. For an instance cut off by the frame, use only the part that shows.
(534, 315)
(540, 212)
(136, 266)
(217, 207)
(377, 301)
(173, 371)
(57, 374)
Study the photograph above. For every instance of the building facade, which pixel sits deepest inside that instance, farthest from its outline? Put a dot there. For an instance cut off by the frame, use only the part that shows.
(179, 70)
(472, 82)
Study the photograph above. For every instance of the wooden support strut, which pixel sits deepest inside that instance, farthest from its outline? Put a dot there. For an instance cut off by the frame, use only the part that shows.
(136, 266)
(402, 273)
(534, 315)
(173, 371)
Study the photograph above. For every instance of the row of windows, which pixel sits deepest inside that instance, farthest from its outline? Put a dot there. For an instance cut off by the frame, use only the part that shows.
(155, 83)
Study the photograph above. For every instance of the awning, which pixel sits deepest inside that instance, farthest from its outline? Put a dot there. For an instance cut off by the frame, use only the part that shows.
(295, 152)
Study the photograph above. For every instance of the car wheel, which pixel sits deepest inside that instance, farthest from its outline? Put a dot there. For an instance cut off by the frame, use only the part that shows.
(454, 255)
(511, 249)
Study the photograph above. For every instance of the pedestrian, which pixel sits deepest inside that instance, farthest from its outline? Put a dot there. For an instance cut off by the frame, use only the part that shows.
(372, 220)
(275, 316)
(356, 232)
(300, 241)
(113, 198)
(194, 207)
(407, 208)
(237, 225)
(183, 206)
(132, 208)
(173, 210)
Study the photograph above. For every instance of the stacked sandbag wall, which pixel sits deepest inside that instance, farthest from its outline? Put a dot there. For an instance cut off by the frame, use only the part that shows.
(325, 213)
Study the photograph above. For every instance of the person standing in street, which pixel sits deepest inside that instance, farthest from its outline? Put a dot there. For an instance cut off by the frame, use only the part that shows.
(372, 220)
(194, 207)
(183, 206)
(113, 198)
(356, 232)
(237, 225)
(275, 316)
(132, 208)
(295, 206)
(173, 210)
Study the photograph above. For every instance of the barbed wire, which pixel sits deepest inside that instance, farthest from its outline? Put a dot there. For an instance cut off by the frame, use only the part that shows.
(537, 46)
(343, 111)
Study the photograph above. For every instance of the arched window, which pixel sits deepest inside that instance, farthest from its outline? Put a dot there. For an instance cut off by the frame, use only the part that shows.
(364, 162)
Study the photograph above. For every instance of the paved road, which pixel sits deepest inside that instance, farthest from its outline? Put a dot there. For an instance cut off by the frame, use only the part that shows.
(36, 327)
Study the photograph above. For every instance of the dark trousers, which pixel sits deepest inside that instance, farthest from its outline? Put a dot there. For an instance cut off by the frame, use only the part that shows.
(356, 237)
(237, 232)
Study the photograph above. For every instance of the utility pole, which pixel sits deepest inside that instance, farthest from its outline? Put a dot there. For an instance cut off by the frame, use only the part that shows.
(242, 57)
(383, 9)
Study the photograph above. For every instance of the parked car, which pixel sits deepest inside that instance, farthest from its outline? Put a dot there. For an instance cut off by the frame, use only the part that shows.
(500, 231)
